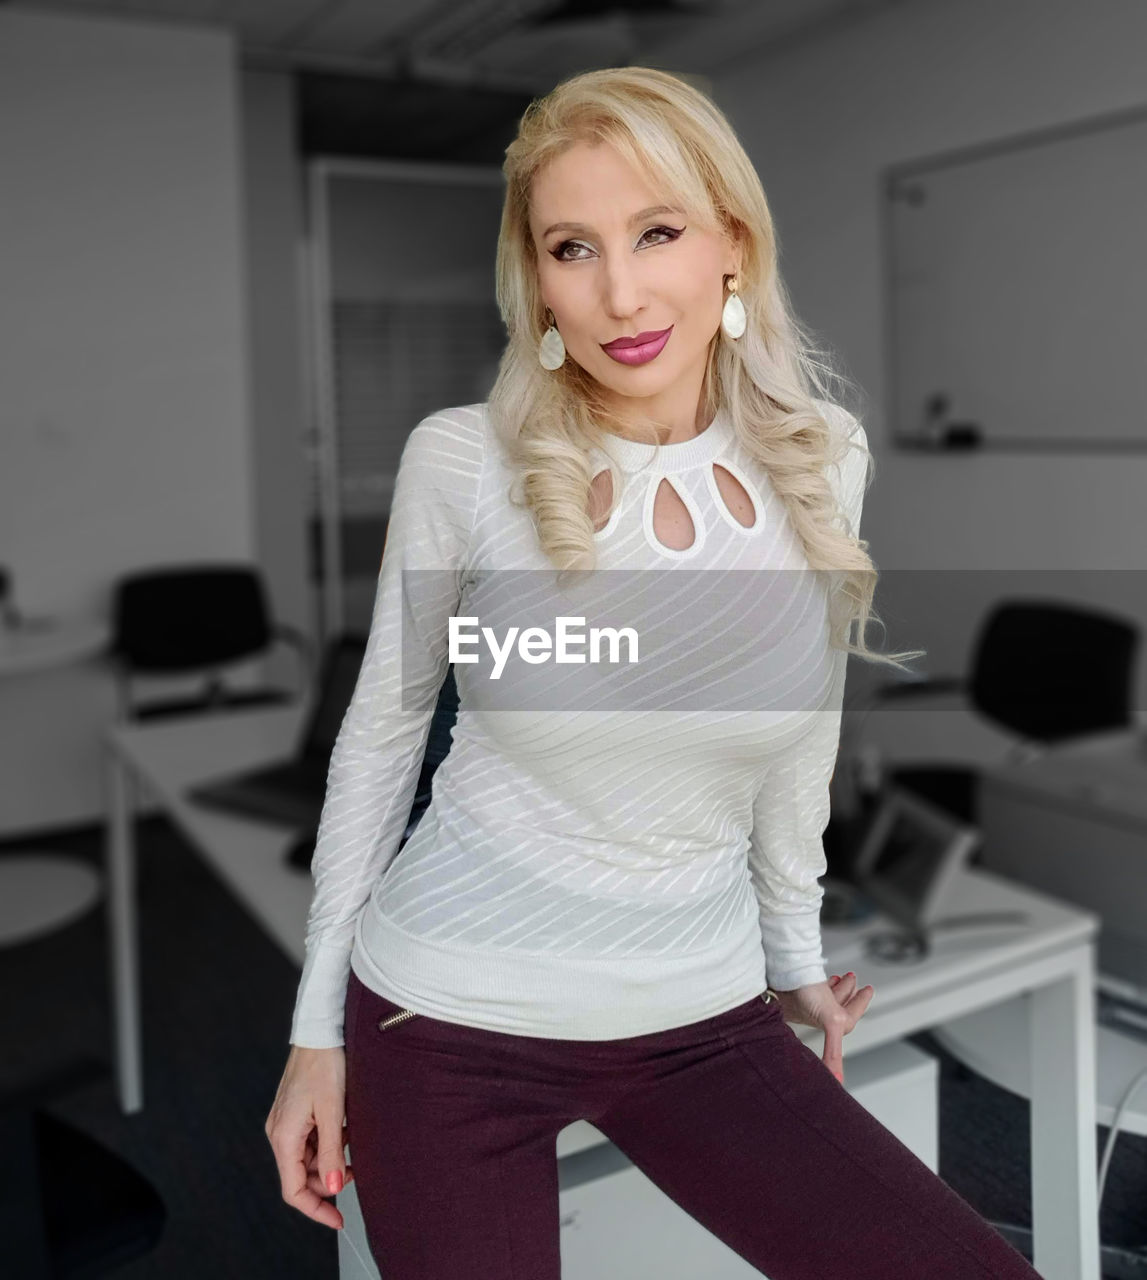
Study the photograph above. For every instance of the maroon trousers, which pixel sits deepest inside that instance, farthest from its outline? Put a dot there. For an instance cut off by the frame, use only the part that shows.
(452, 1130)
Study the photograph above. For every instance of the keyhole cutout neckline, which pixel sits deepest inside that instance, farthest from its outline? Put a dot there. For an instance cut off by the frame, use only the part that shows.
(665, 467)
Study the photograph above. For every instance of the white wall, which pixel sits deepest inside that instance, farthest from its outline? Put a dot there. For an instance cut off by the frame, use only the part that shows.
(273, 199)
(821, 120)
(123, 416)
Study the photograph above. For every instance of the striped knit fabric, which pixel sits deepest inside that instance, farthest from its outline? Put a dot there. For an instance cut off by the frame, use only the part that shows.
(598, 860)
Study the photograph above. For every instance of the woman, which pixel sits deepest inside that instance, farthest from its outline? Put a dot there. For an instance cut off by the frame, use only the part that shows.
(610, 910)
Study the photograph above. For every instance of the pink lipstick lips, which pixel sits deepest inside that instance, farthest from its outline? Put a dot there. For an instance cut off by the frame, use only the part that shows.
(638, 350)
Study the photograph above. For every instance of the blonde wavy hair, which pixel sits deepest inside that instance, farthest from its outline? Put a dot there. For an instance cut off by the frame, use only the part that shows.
(769, 380)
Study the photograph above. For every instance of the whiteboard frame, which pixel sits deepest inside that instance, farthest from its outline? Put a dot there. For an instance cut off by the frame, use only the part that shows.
(889, 177)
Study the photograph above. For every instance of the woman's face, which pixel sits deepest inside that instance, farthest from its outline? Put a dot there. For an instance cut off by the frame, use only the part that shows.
(622, 266)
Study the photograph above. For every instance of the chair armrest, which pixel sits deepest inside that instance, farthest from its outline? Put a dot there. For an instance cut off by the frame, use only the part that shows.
(928, 687)
(308, 662)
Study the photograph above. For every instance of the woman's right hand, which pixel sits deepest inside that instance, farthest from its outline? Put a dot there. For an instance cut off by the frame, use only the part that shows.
(307, 1132)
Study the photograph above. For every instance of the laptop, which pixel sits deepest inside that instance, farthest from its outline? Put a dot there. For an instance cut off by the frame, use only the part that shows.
(290, 793)
(909, 856)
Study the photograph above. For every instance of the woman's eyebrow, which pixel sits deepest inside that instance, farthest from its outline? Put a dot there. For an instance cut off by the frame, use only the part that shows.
(637, 217)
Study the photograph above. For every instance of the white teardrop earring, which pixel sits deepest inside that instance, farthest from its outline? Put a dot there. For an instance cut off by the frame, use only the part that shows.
(733, 318)
(551, 349)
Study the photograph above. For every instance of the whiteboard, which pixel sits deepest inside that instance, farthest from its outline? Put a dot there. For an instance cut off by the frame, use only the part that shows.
(1016, 291)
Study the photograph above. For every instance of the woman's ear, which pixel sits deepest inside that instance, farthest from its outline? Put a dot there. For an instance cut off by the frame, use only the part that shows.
(736, 253)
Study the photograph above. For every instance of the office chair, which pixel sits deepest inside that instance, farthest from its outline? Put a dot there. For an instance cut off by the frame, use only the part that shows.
(195, 620)
(1046, 671)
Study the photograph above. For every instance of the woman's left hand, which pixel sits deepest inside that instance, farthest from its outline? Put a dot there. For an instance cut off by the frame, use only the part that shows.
(836, 1006)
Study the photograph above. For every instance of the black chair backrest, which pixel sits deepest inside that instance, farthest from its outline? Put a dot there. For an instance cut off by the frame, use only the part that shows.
(189, 618)
(439, 739)
(1048, 670)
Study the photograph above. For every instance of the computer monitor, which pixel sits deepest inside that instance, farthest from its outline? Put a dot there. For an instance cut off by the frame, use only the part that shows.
(909, 855)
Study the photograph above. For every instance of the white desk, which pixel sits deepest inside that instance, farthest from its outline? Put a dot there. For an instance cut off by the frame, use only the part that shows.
(995, 1043)
(1051, 963)
(168, 758)
(40, 643)
(1051, 959)
(1071, 822)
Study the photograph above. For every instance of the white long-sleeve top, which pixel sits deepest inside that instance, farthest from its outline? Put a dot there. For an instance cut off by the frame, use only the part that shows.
(598, 859)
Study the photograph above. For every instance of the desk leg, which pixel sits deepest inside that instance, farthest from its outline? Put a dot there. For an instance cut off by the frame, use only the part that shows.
(1065, 1219)
(123, 934)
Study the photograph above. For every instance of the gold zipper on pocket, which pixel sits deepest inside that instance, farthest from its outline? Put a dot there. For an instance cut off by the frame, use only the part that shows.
(392, 1019)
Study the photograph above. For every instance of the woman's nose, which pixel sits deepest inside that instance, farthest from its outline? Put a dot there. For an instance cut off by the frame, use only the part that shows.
(622, 289)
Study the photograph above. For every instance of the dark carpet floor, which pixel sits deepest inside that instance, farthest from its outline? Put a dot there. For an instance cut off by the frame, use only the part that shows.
(217, 1000)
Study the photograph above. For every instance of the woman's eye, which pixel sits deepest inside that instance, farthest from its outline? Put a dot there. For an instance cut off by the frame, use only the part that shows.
(560, 252)
(668, 231)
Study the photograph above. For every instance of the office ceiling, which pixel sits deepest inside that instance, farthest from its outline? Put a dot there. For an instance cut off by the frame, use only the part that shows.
(447, 79)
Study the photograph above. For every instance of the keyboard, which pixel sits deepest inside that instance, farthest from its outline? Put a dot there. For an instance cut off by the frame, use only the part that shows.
(1121, 1014)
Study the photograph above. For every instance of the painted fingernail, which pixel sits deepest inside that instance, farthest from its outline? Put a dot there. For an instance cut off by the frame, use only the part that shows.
(334, 1182)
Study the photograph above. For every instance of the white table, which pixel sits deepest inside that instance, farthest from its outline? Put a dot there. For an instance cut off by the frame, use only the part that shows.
(40, 643)
(42, 892)
(995, 1043)
(168, 758)
(1051, 958)
(1070, 822)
